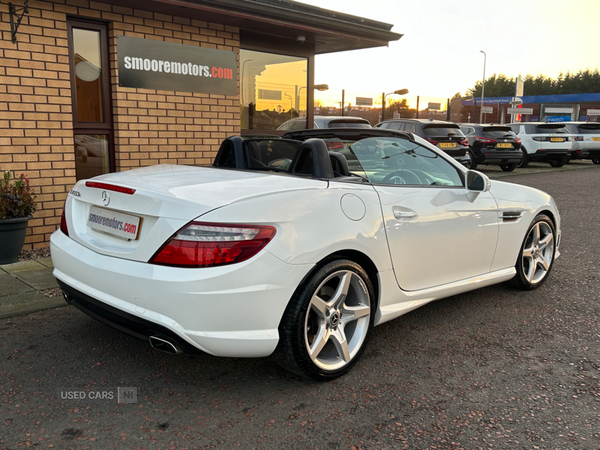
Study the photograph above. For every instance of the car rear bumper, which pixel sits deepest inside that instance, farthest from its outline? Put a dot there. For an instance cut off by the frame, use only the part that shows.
(549, 154)
(593, 153)
(224, 311)
(501, 157)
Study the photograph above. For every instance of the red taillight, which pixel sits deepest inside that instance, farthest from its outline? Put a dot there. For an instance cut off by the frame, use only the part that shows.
(517, 140)
(201, 244)
(432, 142)
(334, 145)
(485, 140)
(464, 142)
(63, 223)
(109, 187)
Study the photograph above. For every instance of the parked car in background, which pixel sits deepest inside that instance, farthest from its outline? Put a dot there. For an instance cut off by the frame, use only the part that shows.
(586, 140)
(299, 123)
(287, 248)
(493, 145)
(447, 136)
(544, 142)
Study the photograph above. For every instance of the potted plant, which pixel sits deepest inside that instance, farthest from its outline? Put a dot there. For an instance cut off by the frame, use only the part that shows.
(17, 205)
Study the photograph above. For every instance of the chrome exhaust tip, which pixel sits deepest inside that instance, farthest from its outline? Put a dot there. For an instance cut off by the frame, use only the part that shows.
(164, 346)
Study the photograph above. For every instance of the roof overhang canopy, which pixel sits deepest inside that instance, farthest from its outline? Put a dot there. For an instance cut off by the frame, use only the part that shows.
(280, 21)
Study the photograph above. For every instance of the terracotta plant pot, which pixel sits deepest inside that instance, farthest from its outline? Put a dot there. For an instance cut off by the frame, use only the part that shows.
(12, 237)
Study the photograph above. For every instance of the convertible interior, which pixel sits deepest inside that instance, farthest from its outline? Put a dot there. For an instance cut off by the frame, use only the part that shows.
(384, 160)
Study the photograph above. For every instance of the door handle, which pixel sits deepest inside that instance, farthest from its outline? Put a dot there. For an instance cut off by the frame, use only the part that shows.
(404, 213)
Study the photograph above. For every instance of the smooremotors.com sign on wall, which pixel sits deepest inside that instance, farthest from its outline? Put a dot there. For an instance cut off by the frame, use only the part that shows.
(168, 66)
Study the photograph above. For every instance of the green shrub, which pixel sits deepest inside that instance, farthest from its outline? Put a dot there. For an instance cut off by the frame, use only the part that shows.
(16, 197)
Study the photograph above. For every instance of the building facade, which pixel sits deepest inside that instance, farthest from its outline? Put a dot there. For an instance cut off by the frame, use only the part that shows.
(90, 87)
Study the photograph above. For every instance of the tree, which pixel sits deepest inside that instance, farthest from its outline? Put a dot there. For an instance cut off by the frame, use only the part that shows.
(583, 82)
(495, 86)
(395, 106)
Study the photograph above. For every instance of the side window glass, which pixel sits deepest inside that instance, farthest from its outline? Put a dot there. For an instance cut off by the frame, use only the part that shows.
(395, 125)
(299, 125)
(410, 128)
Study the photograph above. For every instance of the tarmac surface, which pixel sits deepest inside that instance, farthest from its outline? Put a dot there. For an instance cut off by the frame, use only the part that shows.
(492, 368)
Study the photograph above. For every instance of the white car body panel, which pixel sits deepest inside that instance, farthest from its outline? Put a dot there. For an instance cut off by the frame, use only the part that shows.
(167, 197)
(213, 310)
(415, 241)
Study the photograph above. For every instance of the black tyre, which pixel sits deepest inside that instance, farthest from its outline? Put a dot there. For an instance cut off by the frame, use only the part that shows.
(536, 255)
(328, 322)
(524, 160)
(558, 162)
(473, 164)
(509, 167)
(596, 160)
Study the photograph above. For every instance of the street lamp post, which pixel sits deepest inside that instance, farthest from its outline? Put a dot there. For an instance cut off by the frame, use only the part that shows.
(482, 88)
(384, 95)
(291, 104)
(309, 108)
(316, 87)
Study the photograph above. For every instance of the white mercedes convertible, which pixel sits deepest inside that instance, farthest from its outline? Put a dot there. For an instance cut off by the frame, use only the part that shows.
(295, 247)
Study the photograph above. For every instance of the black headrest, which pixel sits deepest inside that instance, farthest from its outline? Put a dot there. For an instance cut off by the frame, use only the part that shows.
(312, 158)
(254, 155)
(339, 164)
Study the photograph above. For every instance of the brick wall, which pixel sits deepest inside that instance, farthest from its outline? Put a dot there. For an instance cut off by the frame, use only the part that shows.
(151, 127)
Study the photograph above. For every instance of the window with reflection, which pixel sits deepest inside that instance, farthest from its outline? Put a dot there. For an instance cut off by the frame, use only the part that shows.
(272, 89)
(91, 155)
(92, 122)
(88, 75)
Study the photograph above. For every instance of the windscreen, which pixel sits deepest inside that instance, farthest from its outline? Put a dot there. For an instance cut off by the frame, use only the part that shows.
(390, 160)
(347, 124)
(589, 128)
(497, 132)
(552, 128)
(442, 130)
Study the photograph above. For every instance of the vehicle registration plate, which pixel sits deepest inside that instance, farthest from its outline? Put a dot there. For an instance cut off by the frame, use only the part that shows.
(447, 145)
(504, 145)
(557, 139)
(595, 139)
(121, 225)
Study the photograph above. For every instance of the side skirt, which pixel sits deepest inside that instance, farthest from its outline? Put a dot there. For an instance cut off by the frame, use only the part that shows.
(406, 301)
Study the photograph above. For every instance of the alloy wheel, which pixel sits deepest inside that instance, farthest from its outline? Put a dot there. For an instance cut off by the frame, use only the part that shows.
(337, 320)
(538, 252)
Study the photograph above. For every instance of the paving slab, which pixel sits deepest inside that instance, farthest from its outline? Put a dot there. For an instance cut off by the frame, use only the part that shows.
(47, 262)
(10, 285)
(33, 273)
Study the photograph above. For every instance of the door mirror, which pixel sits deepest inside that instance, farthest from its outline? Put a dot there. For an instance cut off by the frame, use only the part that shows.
(477, 182)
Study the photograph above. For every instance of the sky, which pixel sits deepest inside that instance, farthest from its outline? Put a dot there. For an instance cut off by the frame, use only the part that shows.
(439, 54)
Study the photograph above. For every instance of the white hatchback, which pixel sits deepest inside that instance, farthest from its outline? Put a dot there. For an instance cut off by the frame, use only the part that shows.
(544, 142)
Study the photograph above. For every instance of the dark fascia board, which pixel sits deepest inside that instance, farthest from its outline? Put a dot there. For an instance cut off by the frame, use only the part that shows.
(325, 26)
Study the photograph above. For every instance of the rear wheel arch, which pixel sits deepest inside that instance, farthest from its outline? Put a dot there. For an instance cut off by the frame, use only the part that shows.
(353, 255)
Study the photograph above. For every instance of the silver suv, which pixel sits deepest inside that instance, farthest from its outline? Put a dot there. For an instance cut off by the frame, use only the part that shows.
(543, 142)
(299, 123)
(586, 140)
